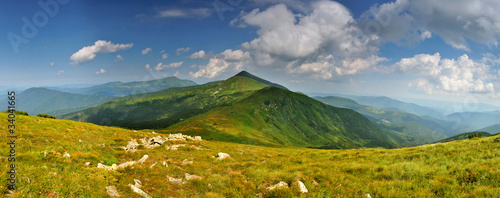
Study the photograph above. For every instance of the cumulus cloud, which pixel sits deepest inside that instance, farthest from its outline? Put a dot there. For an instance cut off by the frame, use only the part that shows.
(89, 53)
(201, 55)
(102, 71)
(164, 56)
(322, 43)
(60, 72)
(146, 51)
(52, 64)
(182, 50)
(119, 58)
(452, 20)
(220, 63)
(161, 66)
(441, 75)
(185, 13)
(147, 66)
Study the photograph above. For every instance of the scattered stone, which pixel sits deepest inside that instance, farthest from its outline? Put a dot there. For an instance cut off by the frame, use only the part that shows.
(280, 185)
(153, 165)
(368, 195)
(126, 164)
(165, 164)
(123, 165)
(210, 186)
(131, 146)
(185, 161)
(315, 182)
(302, 187)
(143, 159)
(45, 154)
(175, 180)
(80, 140)
(190, 177)
(175, 146)
(221, 156)
(137, 188)
(66, 155)
(88, 163)
(111, 190)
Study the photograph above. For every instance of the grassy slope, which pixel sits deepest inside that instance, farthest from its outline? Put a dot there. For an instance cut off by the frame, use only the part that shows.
(467, 168)
(164, 108)
(463, 136)
(288, 118)
(293, 119)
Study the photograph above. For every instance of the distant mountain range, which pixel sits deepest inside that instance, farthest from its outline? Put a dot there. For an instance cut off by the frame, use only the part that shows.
(385, 103)
(242, 109)
(46, 101)
(494, 129)
(408, 129)
(119, 89)
(469, 121)
(464, 136)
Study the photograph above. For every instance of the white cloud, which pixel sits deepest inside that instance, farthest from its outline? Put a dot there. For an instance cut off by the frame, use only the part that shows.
(322, 43)
(102, 71)
(52, 64)
(185, 13)
(452, 20)
(182, 50)
(119, 58)
(60, 72)
(146, 51)
(176, 74)
(229, 59)
(201, 55)
(147, 66)
(161, 66)
(164, 56)
(441, 75)
(162, 51)
(89, 53)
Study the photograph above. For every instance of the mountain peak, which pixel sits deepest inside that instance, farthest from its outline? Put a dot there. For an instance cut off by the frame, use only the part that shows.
(249, 75)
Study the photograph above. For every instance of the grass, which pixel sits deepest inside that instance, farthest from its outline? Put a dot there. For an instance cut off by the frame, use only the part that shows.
(465, 168)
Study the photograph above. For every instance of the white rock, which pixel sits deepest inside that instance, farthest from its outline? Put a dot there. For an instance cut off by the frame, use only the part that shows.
(185, 161)
(131, 146)
(88, 163)
(136, 188)
(280, 185)
(222, 156)
(302, 187)
(143, 159)
(367, 195)
(153, 165)
(190, 177)
(165, 164)
(111, 190)
(175, 146)
(175, 180)
(66, 155)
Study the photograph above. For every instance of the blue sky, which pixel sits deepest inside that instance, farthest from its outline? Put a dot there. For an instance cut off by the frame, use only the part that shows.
(441, 50)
